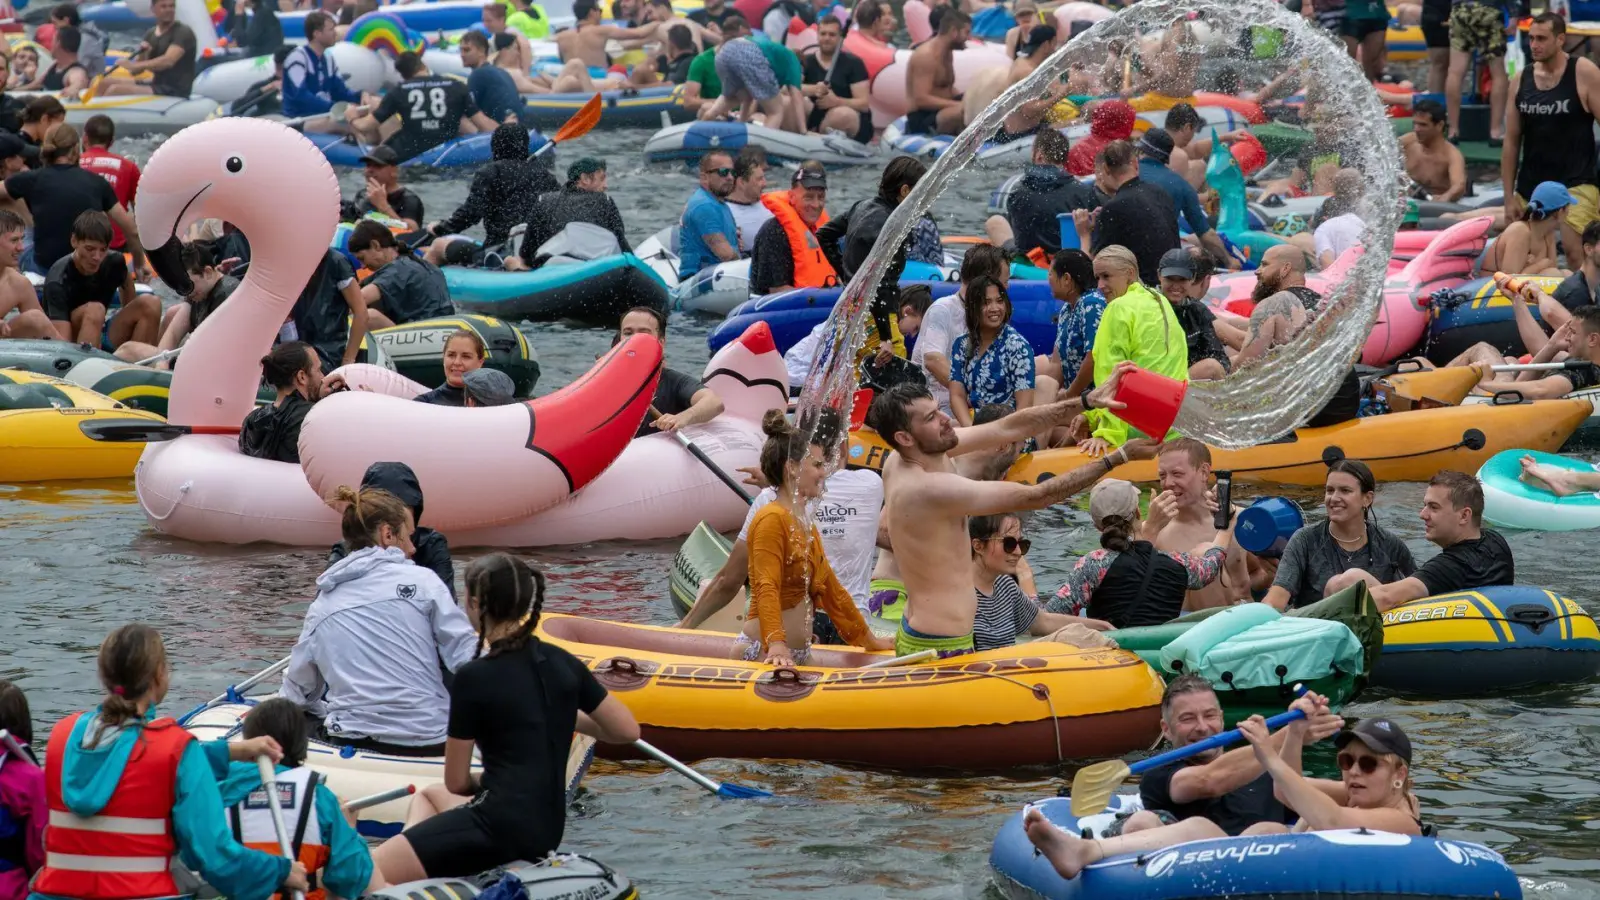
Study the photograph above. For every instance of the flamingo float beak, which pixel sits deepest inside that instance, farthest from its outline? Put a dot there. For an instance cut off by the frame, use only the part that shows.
(167, 259)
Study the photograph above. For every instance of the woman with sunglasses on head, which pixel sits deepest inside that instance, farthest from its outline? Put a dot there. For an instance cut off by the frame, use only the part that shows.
(1373, 793)
(1005, 611)
(1314, 562)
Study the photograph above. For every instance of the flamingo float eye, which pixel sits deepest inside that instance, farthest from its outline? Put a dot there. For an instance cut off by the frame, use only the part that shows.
(233, 164)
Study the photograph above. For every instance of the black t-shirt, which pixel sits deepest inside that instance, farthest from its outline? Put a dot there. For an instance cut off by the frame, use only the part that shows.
(66, 288)
(676, 69)
(674, 394)
(11, 113)
(704, 18)
(321, 317)
(176, 81)
(273, 431)
(410, 289)
(405, 203)
(1232, 812)
(1574, 291)
(444, 395)
(771, 259)
(56, 195)
(1582, 378)
(1199, 325)
(430, 110)
(1141, 217)
(200, 310)
(520, 708)
(1466, 565)
(848, 69)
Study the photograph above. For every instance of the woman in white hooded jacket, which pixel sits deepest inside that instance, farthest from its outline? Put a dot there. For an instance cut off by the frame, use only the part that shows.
(368, 661)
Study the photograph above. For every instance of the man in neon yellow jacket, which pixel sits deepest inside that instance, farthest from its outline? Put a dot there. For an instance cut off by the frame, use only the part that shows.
(1138, 325)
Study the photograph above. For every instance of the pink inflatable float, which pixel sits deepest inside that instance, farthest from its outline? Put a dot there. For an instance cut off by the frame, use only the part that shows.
(875, 53)
(201, 488)
(1423, 262)
(1079, 11)
(889, 88)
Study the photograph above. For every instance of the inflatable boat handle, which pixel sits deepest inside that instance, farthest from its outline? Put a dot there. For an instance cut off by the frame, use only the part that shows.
(269, 780)
(237, 691)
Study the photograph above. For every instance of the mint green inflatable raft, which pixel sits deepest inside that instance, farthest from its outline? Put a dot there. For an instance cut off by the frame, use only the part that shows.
(1510, 502)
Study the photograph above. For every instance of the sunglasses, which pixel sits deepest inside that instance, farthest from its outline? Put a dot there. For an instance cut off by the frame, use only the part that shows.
(1014, 545)
(1348, 761)
(724, 172)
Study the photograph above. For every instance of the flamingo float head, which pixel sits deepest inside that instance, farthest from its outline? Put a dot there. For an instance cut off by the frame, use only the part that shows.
(278, 189)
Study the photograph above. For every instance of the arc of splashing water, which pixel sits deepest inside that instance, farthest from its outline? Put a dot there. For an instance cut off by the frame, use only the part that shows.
(1261, 401)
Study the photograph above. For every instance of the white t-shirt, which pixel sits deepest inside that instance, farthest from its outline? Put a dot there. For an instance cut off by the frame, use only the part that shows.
(846, 515)
(1338, 234)
(799, 358)
(945, 321)
(749, 217)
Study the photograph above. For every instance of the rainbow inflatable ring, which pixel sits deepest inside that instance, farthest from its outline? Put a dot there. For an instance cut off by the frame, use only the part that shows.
(385, 33)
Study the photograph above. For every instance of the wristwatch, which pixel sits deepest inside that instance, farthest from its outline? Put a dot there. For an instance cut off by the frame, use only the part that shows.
(1083, 398)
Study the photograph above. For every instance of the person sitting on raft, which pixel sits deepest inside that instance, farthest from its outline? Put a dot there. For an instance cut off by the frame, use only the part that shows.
(582, 199)
(369, 657)
(789, 567)
(1528, 245)
(1473, 557)
(503, 194)
(1004, 609)
(992, 363)
(273, 431)
(1351, 538)
(1128, 582)
(464, 352)
(1228, 788)
(488, 387)
(23, 807)
(211, 287)
(120, 816)
(429, 548)
(518, 702)
(787, 254)
(321, 839)
(1584, 331)
(401, 288)
(1373, 793)
(680, 399)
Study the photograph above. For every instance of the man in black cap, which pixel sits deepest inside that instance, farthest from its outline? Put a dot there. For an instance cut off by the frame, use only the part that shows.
(384, 193)
(502, 196)
(582, 199)
(1155, 149)
(1180, 273)
(16, 154)
(786, 253)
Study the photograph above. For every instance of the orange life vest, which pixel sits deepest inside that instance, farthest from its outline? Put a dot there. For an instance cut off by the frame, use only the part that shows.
(123, 852)
(251, 821)
(811, 268)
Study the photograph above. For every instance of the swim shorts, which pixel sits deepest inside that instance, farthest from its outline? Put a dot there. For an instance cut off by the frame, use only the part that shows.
(599, 73)
(1475, 28)
(1121, 821)
(908, 641)
(922, 121)
(1585, 210)
(751, 651)
(742, 67)
(1360, 28)
(863, 132)
(888, 598)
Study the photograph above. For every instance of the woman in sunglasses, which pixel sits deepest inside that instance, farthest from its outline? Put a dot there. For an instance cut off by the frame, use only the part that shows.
(1373, 792)
(1004, 609)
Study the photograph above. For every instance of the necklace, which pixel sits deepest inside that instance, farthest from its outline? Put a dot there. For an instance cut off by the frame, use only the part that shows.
(1359, 539)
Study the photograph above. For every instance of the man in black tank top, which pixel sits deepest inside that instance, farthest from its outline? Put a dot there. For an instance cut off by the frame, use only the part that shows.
(1549, 130)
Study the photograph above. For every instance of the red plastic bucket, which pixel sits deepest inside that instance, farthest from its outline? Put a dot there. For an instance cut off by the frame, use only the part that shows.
(1152, 401)
(859, 406)
(1248, 153)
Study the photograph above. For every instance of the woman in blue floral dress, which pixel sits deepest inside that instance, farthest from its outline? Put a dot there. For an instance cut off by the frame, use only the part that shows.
(992, 363)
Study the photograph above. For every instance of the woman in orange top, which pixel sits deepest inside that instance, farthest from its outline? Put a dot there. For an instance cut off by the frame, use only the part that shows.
(787, 564)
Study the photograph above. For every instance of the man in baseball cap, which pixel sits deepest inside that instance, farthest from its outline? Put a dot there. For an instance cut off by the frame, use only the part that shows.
(15, 154)
(1183, 284)
(786, 253)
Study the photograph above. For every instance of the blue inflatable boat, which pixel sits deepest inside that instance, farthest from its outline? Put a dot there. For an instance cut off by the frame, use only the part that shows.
(428, 18)
(468, 150)
(595, 291)
(1477, 312)
(792, 314)
(1355, 863)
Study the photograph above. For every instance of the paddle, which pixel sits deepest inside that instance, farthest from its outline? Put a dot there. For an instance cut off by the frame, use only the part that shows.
(705, 460)
(269, 781)
(235, 692)
(15, 749)
(1093, 785)
(723, 789)
(122, 431)
(379, 798)
(582, 122)
(1573, 363)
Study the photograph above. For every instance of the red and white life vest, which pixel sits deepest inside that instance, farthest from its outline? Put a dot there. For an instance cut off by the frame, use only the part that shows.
(251, 821)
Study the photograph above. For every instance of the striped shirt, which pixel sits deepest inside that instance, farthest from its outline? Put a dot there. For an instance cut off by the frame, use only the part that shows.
(1002, 615)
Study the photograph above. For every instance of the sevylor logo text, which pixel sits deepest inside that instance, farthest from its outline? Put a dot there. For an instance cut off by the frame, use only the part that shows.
(1167, 860)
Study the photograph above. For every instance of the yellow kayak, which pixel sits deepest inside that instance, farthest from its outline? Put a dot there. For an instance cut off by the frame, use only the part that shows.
(40, 438)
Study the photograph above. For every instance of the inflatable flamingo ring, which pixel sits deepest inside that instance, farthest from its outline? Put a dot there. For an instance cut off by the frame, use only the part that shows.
(479, 467)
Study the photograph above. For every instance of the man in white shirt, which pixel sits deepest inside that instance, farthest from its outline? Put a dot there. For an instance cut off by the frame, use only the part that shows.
(946, 320)
(1333, 237)
(749, 182)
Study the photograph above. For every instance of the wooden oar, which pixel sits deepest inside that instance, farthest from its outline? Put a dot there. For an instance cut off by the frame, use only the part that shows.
(1093, 785)
(582, 122)
(706, 461)
(143, 431)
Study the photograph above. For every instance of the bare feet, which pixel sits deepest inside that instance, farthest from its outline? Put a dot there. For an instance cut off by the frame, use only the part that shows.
(1549, 478)
(1068, 853)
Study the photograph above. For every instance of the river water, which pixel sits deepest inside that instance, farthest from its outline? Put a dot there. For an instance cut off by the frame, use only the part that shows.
(1512, 772)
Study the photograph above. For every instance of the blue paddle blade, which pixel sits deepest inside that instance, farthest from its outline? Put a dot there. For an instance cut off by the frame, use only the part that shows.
(739, 792)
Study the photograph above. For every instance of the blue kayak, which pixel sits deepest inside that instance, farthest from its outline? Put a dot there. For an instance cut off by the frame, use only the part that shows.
(469, 150)
(792, 314)
(429, 18)
(598, 291)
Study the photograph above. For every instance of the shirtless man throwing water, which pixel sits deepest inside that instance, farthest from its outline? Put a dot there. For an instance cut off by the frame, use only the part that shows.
(927, 503)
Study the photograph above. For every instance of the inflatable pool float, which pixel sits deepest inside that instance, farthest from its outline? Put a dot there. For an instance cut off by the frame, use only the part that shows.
(639, 107)
(416, 349)
(1346, 863)
(1255, 656)
(1510, 502)
(1476, 643)
(716, 290)
(1405, 43)
(597, 291)
(792, 314)
(136, 114)
(224, 82)
(1407, 446)
(135, 387)
(429, 17)
(560, 876)
(1033, 705)
(1478, 312)
(1445, 261)
(352, 774)
(467, 150)
(875, 53)
(888, 88)
(659, 252)
(40, 437)
(201, 488)
(691, 140)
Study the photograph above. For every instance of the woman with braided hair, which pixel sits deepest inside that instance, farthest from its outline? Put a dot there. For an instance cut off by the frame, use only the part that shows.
(517, 703)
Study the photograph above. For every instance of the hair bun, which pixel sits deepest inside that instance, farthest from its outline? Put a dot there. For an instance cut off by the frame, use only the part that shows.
(776, 424)
(344, 493)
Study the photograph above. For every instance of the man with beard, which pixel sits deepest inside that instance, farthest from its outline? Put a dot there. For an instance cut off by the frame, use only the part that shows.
(1284, 305)
(927, 503)
(707, 233)
(931, 78)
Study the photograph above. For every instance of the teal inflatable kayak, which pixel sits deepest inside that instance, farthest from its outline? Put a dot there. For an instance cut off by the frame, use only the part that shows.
(595, 291)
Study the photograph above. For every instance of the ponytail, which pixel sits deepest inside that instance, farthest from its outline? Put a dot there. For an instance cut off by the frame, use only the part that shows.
(131, 659)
